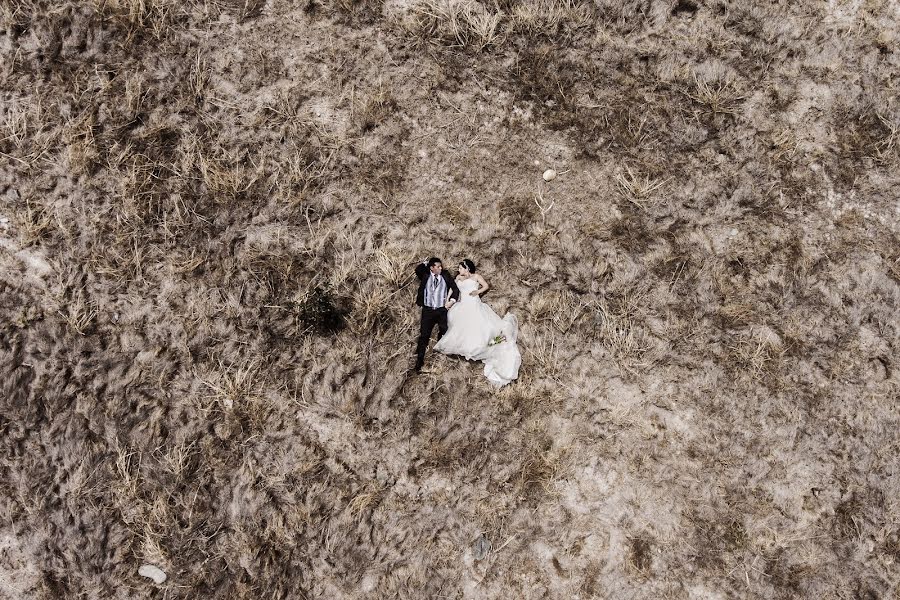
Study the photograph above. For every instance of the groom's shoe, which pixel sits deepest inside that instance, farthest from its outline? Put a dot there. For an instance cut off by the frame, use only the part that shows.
(418, 367)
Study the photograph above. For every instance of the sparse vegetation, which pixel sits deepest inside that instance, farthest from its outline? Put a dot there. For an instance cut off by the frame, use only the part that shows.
(454, 23)
(209, 217)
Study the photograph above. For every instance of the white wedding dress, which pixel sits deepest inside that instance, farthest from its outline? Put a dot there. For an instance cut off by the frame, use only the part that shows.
(471, 325)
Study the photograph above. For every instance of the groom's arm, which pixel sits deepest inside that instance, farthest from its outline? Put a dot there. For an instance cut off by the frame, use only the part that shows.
(421, 271)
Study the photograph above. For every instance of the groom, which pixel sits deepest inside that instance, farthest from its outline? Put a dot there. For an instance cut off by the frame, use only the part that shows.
(434, 285)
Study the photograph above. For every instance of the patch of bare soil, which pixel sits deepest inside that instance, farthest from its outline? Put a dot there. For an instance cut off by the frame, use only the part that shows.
(209, 214)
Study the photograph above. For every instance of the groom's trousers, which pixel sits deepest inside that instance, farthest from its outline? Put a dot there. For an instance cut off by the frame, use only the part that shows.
(430, 318)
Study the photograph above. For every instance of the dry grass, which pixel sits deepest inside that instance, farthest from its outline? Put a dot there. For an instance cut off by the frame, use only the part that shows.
(718, 96)
(637, 188)
(34, 223)
(534, 17)
(142, 16)
(394, 264)
(617, 328)
(544, 351)
(209, 217)
(80, 315)
(15, 124)
(231, 386)
(887, 147)
(561, 308)
(375, 109)
(542, 465)
(224, 179)
(371, 310)
(454, 23)
(756, 357)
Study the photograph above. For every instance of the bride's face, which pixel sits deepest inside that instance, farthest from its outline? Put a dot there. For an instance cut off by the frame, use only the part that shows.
(463, 270)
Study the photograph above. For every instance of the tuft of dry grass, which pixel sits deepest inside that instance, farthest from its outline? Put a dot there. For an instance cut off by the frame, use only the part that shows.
(454, 23)
(371, 310)
(153, 17)
(79, 314)
(126, 469)
(34, 223)
(225, 178)
(719, 96)
(233, 385)
(759, 358)
(640, 555)
(637, 188)
(887, 146)
(619, 333)
(563, 309)
(198, 80)
(236, 393)
(177, 458)
(365, 501)
(375, 109)
(16, 123)
(82, 153)
(737, 314)
(546, 17)
(544, 350)
(541, 464)
(394, 265)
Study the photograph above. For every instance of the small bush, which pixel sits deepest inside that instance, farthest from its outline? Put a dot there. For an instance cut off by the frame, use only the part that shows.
(321, 311)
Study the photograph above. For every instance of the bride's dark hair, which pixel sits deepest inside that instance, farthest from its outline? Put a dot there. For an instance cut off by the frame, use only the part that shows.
(468, 264)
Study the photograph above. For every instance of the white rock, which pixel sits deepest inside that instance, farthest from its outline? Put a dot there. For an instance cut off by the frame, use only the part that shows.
(153, 572)
(549, 175)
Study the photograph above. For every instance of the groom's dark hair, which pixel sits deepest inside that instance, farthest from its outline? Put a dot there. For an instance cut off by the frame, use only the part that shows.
(433, 261)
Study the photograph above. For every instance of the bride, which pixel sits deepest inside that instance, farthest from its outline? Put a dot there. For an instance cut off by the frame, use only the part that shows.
(477, 333)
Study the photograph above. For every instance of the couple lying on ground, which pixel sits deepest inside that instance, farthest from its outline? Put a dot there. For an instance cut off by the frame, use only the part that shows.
(467, 326)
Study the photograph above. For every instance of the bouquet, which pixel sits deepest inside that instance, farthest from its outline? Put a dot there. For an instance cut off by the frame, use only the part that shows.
(497, 339)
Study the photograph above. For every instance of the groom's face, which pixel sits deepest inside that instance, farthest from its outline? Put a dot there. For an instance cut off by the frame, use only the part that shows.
(436, 268)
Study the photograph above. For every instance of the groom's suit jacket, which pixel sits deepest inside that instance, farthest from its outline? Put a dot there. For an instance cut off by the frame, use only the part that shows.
(423, 273)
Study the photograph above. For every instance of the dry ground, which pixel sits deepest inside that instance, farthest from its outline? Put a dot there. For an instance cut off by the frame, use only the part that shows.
(208, 209)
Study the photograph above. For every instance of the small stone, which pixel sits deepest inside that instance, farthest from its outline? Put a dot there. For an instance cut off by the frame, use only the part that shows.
(537, 162)
(153, 572)
(602, 267)
(481, 548)
(549, 175)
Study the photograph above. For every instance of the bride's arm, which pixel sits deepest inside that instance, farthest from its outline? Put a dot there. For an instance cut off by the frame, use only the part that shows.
(454, 289)
(450, 301)
(452, 294)
(482, 285)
